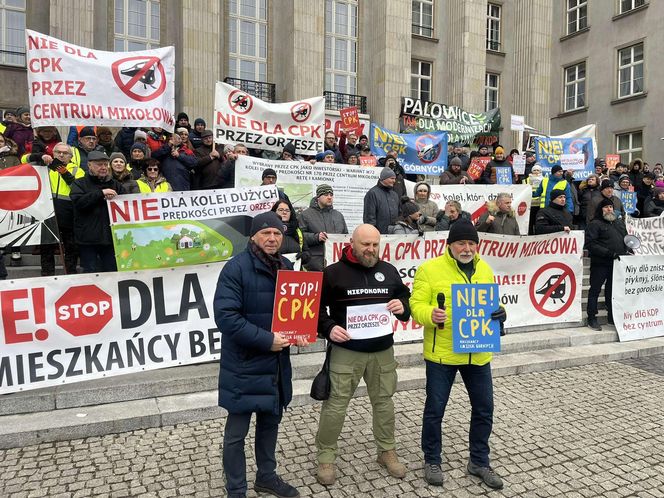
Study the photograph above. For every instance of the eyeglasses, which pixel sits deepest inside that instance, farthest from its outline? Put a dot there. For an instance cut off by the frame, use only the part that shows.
(152, 169)
(283, 210)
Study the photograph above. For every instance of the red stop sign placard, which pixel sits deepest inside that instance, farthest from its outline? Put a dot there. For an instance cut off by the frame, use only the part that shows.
(84, 310)
(20, 187)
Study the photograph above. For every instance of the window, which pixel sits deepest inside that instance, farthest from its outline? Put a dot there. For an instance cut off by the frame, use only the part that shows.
(491, 89)
(629, 146)
(341, 46)
(423, 17)
(493, 27)
(577, 15)
(575, 86)
(247, 36)
(137, 25)
(630, 70)
(12, 32)
(420, 80)
(627, 5)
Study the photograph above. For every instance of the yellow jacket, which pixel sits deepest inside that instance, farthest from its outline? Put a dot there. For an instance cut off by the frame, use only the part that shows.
(438, 275)
(161, 186)
(59, 186)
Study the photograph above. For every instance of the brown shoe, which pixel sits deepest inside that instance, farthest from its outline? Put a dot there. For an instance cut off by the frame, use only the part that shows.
(390, 461)
(326, 474)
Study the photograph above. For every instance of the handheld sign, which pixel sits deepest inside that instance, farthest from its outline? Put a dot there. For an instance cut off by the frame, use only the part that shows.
(368, 321)
(519, 164)
(504, 175)
(368, 161)
(350, 120)
(473, 330)
(477, 166)
(611, 161)
(628, 200)
(296, 304)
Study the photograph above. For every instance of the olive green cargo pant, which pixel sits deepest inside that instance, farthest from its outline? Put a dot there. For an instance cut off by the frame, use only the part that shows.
(379, 371)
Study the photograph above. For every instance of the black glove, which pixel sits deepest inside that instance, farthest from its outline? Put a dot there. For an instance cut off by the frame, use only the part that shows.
(421, 220)
(501, 315)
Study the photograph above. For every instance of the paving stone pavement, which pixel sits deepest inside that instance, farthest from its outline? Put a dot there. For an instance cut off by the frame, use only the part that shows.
(596, 430)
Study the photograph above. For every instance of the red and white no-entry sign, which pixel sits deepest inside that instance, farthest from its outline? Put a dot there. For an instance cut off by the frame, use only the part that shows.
(141, 78)
(20, 187)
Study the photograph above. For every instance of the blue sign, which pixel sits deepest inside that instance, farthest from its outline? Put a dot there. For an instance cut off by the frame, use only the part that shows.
(504, 175)
(473, 330)
(418, 153)
(549, 149)
(628, 200)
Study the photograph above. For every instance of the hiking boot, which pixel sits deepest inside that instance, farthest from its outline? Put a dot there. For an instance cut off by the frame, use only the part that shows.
(390, 461)
(326, 474)
(277, 487)
(433, 474)
(486, 474)
(593, 323)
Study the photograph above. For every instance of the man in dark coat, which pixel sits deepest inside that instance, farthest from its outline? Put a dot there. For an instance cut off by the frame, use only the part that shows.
(255, 368)
(605, 236)
(455, 174)
(555, 217)
(92, 228)
(209, 160)
(195, 134)
(457, 151)
(176, 162)
(381, 202)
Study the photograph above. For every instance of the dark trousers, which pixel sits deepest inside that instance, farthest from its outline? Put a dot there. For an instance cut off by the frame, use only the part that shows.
(234, 461)
(479, 385)
(70, 248)
(97, 257)
(600, 275)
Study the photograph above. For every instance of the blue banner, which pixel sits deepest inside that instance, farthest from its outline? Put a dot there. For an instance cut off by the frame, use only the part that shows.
(473, 330)
(420, 153)
(504, 175)
(549, 149)
(629, 200)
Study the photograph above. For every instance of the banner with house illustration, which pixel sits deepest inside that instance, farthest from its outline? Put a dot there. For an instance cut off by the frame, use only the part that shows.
(184, 228)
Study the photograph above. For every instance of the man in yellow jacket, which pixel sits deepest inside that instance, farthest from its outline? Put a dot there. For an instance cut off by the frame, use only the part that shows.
(459, 265)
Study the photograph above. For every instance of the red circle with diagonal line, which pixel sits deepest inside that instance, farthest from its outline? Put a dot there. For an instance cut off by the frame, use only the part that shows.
(20, 187)
(142, 72)
(301, 111)
(539, 305)
(241, 102)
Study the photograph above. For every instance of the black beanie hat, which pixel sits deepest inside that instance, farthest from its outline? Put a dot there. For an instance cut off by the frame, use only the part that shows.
(182, 115)
(408, 208)
(269, 219)
(268, 172)
(462, 229)
(555, 193)
(606, 183)
(556, 168)
(290, 148)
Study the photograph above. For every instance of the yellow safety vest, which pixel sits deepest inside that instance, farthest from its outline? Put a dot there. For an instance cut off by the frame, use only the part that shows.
(144, 187)
(59, 186)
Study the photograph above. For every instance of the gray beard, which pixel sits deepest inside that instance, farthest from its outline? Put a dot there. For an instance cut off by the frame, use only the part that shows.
(610, 217)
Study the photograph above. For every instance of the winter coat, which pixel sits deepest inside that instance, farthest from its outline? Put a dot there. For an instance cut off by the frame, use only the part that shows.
(550, 183)
(124, 140)
(80, 156)
(438, 275)
(553, 218)
(348, 283)
(605, 240)
(91, 223)
(653, 207)
(504, 223)
(22, 135)
(447, 177)
(314, 220)
(252, 378)
(402, 227)
(489, 175)
(159, 185)
(465, 160)
(226, 175)
(585, 195)
(176, 169)
(41, 147)
(61, 180)
(207, 169)
(128, 182)
(429, 209)
(7, 160)
(444, 223)
(381, 207)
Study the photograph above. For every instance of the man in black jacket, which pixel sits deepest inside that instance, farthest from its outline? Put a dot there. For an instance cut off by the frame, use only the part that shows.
(92, 228)
(381, 202)
(605, 236)
(555, 217)
(209, 161)
(361, 292)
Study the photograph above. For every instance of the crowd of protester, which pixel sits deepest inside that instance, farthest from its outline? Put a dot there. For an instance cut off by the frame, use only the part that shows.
(152, 160)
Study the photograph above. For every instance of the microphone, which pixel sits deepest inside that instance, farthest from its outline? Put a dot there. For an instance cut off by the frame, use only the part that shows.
(440, 298)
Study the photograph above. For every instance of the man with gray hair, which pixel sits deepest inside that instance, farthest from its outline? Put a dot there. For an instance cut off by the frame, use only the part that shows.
(381, 202)
(499, 217)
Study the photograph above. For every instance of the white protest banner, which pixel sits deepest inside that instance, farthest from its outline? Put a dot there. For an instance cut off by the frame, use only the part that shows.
(519, 164)
(517, 123)
(473, 199)
(183, 228)
(540, 277)
(572, 161)
(299, 180)
(241, 118)
(72, 85)
(27, 217)
(58, 330)
(650, 231)
(638, 287)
